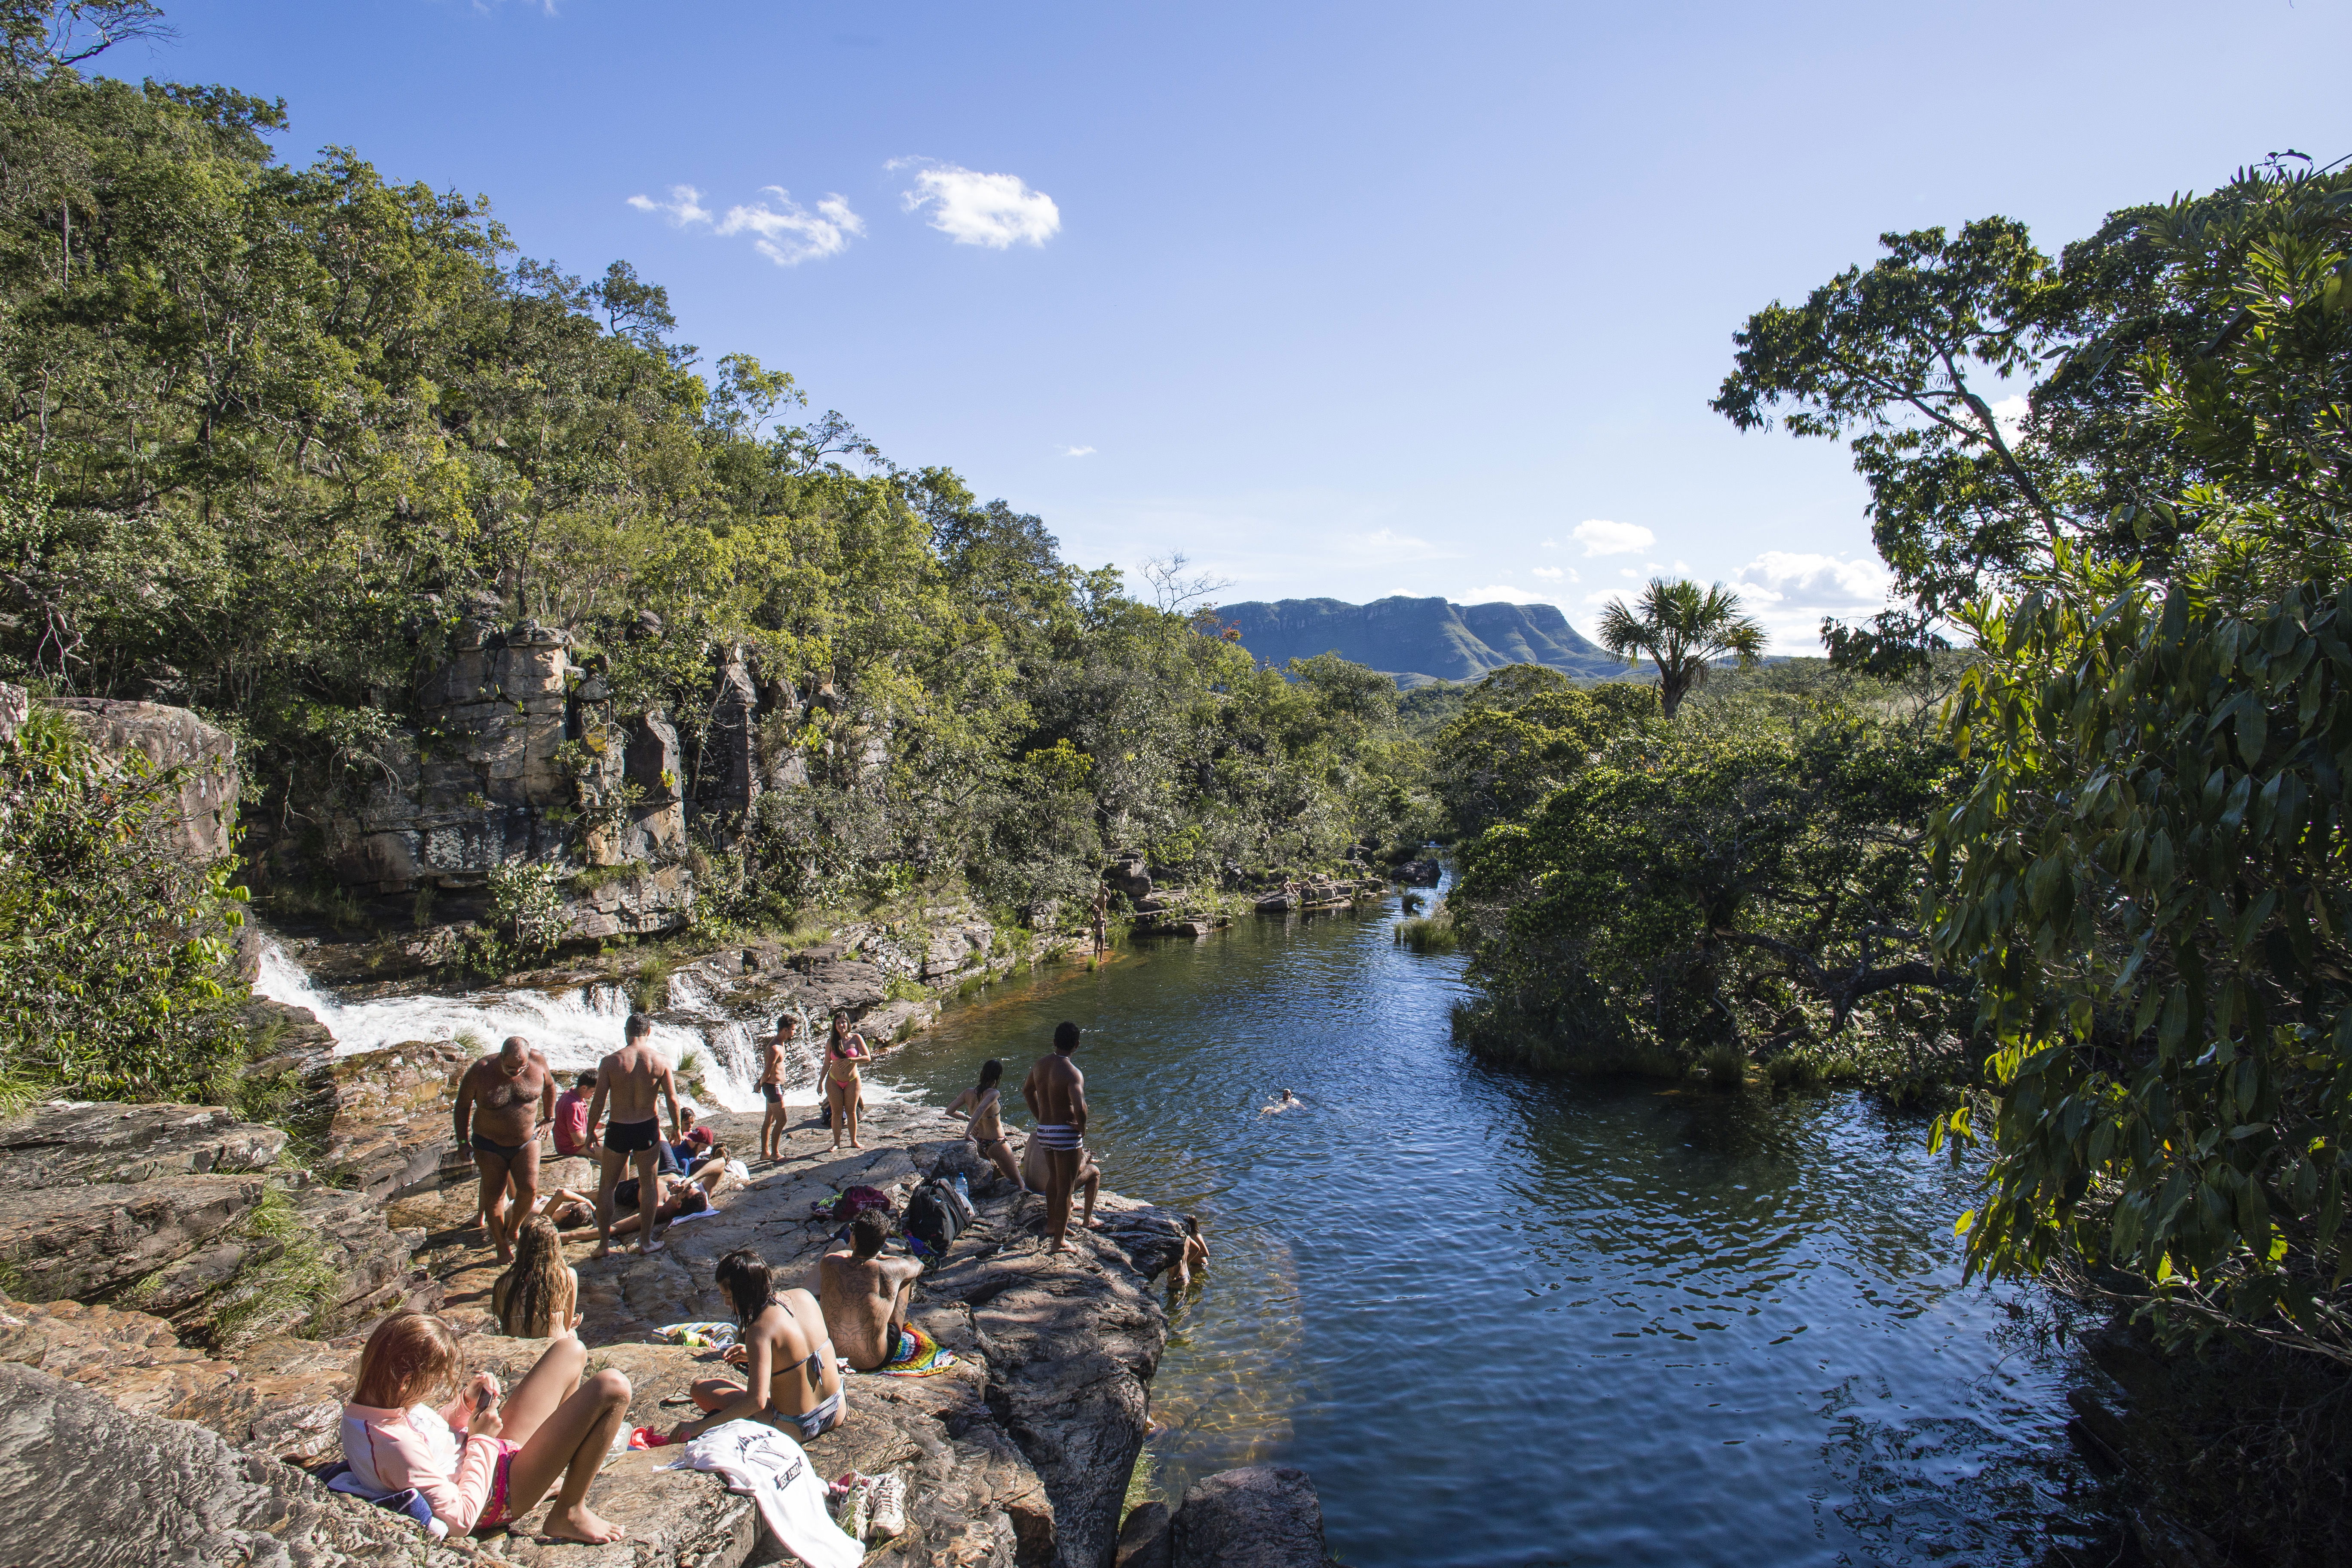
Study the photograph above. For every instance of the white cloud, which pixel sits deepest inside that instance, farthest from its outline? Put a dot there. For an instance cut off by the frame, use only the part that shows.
(1551, 572)
(789, 234)
(971, 208)
(785, 233)
(1601, 537)
(1388, 547)
(2009, 415)
(1503, 592)
(684, 207)
(1078, 451)
(1779, 577)
(1548, 544)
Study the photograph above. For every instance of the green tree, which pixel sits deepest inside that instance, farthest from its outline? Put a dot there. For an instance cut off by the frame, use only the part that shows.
(1681, 628)
(2147, 876)
(117, 978)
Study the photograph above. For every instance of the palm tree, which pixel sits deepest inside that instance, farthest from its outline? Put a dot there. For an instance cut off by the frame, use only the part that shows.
(1682, 628)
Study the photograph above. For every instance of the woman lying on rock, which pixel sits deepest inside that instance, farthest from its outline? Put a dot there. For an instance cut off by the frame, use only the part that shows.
(476, 1462)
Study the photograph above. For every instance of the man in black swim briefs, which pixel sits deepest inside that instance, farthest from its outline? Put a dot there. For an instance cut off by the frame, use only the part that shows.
(632, 1080)
(501, 1102)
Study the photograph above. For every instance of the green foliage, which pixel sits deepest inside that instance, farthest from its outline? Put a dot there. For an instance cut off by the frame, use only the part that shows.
(117, 978)
(1430, 934)
(1747, 877)
(1900, 360)
(275, 430)
(526, 904)
(1521, 732)
(2148, 876)
(1682, 629)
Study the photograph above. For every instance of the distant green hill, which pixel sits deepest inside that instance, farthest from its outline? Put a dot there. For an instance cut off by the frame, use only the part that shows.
(1417, 640)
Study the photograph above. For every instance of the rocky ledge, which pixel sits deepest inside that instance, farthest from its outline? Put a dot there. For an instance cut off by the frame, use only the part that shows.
(1020, 1454)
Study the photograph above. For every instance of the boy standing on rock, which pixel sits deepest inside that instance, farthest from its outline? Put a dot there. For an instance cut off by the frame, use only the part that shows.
(775, 1128)
(631, 1078)
(515, 1092)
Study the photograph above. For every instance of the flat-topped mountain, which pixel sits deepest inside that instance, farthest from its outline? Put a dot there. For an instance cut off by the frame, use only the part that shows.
(1417, 640)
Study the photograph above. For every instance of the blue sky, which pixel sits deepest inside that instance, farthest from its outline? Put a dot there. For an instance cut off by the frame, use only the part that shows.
(1337, 300)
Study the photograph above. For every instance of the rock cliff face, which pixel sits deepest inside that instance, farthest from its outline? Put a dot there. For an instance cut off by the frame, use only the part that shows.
(167, 738)
(519, 757)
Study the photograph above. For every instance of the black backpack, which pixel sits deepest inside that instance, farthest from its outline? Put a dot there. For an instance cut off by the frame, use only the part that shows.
(933, 1216)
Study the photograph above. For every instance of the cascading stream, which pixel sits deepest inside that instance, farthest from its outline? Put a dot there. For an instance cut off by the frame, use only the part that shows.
(575, 1025)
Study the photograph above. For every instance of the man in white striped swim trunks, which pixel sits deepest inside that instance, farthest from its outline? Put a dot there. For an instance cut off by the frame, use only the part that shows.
(1056, 1091)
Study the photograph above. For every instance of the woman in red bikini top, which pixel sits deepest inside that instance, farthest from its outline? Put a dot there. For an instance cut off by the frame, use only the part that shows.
(843, 1049)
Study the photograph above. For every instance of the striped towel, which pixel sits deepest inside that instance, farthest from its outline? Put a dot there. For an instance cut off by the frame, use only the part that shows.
(918, 1355)
(705, 1336)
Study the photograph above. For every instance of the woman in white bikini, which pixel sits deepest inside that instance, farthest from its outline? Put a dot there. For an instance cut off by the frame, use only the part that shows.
(983, 1106)
(843, 1049)
(790, 1372)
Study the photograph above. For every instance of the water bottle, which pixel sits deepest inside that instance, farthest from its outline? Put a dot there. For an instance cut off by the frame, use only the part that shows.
(963, 1191)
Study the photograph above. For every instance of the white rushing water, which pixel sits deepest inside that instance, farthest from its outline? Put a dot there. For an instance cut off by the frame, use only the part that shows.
(576, 1026)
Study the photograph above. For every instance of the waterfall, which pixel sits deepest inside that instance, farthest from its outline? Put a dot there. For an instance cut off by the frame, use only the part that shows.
(576, 1026)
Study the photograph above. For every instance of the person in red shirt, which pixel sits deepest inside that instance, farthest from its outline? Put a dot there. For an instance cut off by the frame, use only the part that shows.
(572, 1133)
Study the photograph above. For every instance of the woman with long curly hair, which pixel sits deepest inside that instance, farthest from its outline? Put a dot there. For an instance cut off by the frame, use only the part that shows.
(539, 1295)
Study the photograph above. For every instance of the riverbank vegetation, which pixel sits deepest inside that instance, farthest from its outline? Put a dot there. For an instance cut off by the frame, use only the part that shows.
(2100, 876)
(276, 428)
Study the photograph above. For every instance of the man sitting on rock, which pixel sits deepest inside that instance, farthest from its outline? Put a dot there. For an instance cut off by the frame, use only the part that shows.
(514, 1092)
(865, 1296)
(633, 1079)
(573, 1132)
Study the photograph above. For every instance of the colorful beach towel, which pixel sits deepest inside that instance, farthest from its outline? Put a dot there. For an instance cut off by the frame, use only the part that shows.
(918, 1355)
(709, 1336)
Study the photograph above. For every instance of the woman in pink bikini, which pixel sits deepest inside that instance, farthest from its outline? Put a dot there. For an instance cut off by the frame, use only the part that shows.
(478, 1462)
(843, 1049)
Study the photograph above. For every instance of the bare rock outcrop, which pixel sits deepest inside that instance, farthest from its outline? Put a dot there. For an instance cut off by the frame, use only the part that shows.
(170, 737)
(85, 1482)
(1262, 1516)
(186, 1211)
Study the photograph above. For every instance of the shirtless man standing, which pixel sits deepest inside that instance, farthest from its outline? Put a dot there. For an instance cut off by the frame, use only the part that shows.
(775, 1128)
(515, 1092)
(865, 1296)
(632, 1077)
(1056, 1093)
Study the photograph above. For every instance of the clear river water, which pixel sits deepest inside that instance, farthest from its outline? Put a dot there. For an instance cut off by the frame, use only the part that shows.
(1503, 1320)
(1510, 1322)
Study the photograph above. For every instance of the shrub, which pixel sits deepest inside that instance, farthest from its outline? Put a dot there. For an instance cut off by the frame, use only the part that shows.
(117, 978)
(1431, 935)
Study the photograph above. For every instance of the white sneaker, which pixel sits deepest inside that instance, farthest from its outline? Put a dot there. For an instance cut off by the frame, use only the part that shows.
(853, 1508)
(888, 1515)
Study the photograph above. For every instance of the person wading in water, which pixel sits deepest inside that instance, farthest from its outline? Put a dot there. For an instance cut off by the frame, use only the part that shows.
(1056, 1091)
(843, 1049)
(631, 1078)
(505, 1097)
(775, 1127)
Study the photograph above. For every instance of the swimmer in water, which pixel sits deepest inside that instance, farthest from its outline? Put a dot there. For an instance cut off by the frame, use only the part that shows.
(1276, 1106)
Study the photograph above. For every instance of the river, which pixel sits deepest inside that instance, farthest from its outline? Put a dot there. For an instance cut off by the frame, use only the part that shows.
(1506, 1322)
(1502, 1321)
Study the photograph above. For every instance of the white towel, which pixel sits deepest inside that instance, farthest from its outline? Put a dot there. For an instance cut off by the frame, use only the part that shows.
(758, 1459)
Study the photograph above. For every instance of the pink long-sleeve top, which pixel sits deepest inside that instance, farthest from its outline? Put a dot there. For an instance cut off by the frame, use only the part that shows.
(390, 1450)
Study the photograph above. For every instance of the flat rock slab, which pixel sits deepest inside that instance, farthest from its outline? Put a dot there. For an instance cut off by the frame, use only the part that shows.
(60, 1144)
